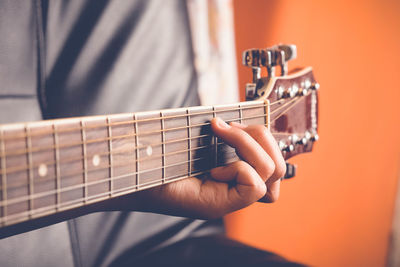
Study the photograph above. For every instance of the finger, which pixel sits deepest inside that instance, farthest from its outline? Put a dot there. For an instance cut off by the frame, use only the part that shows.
(246, 146)
(267, 141)
(264, 137)
(238, 125)
(249, 186)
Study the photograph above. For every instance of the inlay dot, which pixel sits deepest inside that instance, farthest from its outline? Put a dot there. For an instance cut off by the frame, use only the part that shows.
(149, 150)
(42, 170)
(96, 160)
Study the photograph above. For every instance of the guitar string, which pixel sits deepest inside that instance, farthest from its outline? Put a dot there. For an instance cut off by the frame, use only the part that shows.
(104, 180)
(257, 104)
(23, 168)
(91, 199)
(96, 182)
(44, 148)
(87, 184)
(115, 152)
(105, 167)
(246, 105)
(97, 169)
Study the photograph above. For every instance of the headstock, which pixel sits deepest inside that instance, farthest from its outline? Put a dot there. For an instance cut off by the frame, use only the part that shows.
(293, 99)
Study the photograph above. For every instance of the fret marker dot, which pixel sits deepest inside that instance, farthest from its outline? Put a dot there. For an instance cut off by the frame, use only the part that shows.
(149, 150)
(42, 170)
(96, 160)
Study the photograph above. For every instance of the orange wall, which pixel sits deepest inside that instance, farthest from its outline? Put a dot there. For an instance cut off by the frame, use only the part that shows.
(338, 210)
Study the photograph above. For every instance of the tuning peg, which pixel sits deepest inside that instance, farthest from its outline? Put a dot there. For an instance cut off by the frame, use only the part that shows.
(267, 57)
(314, 86)
(251, 58)
(290, 171)
(283, 54)
(284, 147)
(314, 137)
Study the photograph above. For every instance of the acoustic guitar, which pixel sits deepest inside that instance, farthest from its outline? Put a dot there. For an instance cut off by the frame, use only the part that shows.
(57, 169)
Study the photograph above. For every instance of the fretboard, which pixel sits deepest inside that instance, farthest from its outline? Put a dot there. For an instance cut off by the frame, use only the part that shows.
(56, 165)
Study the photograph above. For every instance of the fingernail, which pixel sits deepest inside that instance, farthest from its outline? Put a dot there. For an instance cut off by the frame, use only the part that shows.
(222, 124)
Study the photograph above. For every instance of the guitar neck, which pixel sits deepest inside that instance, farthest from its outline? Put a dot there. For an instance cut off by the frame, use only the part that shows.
(56, 165)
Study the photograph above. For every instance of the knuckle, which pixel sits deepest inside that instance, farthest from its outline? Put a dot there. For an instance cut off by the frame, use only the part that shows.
(241, 165)
(269, 169)
(258, 131)
(260, 189)
(280, 169)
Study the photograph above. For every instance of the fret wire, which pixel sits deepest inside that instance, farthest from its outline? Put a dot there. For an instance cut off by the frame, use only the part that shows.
(77, 186)
(240, 114)
(215, 141)
(57, 165)
(188, 122)
(30, 170)
(110, 154)
(85, 175)
(163, 147)
(136, 148)
(267, 115)
(126, 136)
(3, 176)
(121, 136)
(247, 106)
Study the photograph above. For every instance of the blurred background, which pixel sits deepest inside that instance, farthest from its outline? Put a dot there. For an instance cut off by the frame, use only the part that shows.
(339, 209)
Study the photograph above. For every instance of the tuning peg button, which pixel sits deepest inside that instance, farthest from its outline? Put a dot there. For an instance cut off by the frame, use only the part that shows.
(251, 58)
(290, 171)
(314, 137)
(284, 53)
(314, 86)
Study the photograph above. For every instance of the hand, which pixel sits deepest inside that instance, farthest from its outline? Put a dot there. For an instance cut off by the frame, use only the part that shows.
(230, 188)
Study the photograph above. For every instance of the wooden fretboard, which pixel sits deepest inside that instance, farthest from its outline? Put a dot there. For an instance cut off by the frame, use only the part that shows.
(56, 165)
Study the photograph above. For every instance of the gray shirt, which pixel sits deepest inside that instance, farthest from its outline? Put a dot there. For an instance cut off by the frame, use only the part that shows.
(82, 57)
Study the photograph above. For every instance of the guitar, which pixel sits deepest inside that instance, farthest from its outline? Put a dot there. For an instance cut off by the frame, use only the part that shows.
(58, 169)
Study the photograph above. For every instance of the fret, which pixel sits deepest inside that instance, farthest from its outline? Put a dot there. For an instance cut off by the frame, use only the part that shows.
(231, 112)
(58, 171)
(97, 156)
(85, 179)
(149, 136)
(252, 112)
(43, 169)
(189, 142)
(71, 161)
(163, 145)
(16, 181)
(30, 169)
(202, 138)
(176, 143)
(215, 140)
(124, 152)
(110, 149)
(135, 119)
(3, 178)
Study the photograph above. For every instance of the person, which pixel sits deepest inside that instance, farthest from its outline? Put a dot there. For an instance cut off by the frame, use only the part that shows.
(79, 58)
